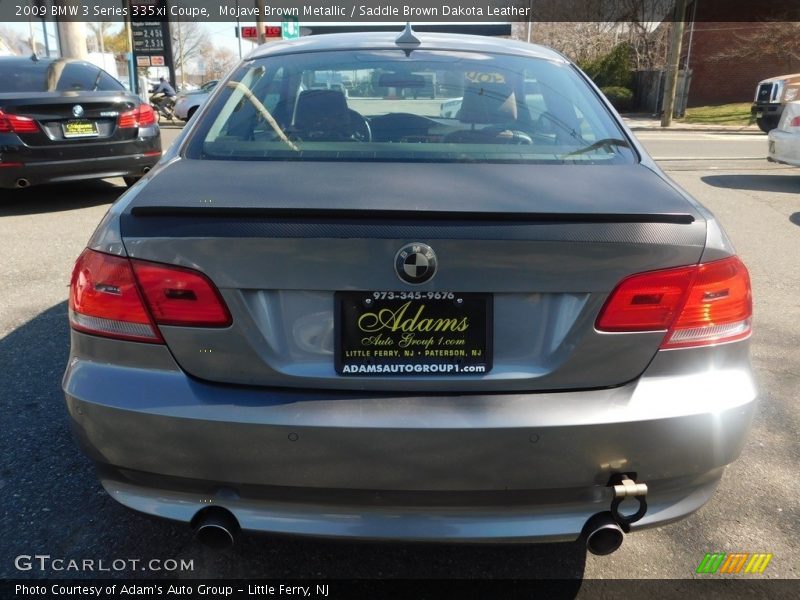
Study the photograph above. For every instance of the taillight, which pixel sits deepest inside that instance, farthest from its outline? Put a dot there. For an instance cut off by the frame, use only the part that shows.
(17, 124)
(696, 305)
(105, 300)
(141, 116)
(795, 122)
(147, 116)
(177, 296)
(125, 298)
(718, 306)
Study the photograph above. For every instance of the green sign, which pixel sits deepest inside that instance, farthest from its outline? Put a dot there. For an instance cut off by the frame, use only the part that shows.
(290, 28)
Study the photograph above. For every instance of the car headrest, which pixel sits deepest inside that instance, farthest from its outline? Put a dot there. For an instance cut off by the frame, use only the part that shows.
(488, 103)
(318, 106)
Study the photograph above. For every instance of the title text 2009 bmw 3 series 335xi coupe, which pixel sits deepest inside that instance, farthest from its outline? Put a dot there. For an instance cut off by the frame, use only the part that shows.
(346, 315)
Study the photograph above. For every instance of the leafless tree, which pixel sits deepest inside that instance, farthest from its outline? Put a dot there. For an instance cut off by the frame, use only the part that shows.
(100, 31)
(189, 41)
(218, 61)
(603, 24)
(767, 39)
(12, 41)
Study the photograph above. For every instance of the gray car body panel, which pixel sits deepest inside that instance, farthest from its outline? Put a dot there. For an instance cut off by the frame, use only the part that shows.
(253, 417)
(534, 254)
(491, 466)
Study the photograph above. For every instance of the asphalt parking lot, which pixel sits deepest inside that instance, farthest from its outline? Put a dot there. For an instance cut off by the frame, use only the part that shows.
(52, 503)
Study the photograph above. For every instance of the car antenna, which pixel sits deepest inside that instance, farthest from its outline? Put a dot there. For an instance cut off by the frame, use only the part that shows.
(407, 40)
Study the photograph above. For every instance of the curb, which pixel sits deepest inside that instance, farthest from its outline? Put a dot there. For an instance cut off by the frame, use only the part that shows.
(638, 125)
(746, 131)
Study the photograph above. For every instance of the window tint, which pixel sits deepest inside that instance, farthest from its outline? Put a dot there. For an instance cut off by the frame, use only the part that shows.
(22, 76)
(106, 83)
(430, 105)
(53, 75)
(77, 76)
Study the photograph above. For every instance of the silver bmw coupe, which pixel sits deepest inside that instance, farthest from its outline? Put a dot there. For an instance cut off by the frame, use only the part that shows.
(331, 310)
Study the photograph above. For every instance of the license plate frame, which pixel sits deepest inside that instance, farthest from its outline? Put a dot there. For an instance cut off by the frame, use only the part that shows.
(455, 350)
(87, 129)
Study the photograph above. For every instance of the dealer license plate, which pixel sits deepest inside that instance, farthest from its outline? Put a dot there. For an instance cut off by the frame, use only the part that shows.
(413, 333)
(74, 129)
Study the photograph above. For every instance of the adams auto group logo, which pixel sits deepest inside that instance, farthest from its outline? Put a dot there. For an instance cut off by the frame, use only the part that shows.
(736, 562)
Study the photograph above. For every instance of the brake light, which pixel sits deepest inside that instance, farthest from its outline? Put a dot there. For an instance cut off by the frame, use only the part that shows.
(17, 124)
(718, 307)
(127, 299)
(696, 305)
(178, 296)
(795, 122)
(141, 116)
(105, 300)
(147, 116)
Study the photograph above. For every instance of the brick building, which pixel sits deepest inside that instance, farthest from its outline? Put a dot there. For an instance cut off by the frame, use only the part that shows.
(728, 60)
(737, 43)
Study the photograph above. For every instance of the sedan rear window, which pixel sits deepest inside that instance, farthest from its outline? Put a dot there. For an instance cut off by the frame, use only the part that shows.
(54, 76)
(428, 106)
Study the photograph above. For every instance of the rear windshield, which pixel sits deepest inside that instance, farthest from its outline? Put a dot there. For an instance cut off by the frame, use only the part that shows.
(54, 76)
(428, 106)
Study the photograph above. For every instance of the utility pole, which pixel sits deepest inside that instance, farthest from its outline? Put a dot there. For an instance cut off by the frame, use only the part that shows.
(238, 30)
(260, 22)
(133, 74)
(673, 62)
(72, 34)
(72, 39)
(530, 23)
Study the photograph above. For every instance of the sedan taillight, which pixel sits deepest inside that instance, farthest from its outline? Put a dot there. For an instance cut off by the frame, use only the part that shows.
(123, 298)
(141, 116)
(696, 305)
(17, 124)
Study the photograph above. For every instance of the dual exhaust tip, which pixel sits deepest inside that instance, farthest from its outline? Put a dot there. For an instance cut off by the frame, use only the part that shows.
(217, 528)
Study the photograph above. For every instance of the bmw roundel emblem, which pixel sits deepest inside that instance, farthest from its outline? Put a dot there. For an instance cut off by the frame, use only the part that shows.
(77, 110)
(415, 263)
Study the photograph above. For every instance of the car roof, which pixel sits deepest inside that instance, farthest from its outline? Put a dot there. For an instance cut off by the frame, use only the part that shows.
(382, 40)
(43, 60)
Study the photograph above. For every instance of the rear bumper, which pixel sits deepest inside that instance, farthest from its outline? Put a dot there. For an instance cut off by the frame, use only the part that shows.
(784, 147)
(42, 165)
(497, 467)
(769, 112)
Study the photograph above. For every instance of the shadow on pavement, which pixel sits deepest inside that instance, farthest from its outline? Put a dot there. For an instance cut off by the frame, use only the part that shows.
(795, 218)
(54, 505)
(786, 182)
(62, 196)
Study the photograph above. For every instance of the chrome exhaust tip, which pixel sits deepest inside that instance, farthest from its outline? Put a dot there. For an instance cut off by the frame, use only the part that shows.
(215, 527)
(146, 170)
(603, 534)
(22, 182)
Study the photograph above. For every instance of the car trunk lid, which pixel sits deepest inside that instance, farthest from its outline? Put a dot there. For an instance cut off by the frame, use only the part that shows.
(542, 244)
(71, 118)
